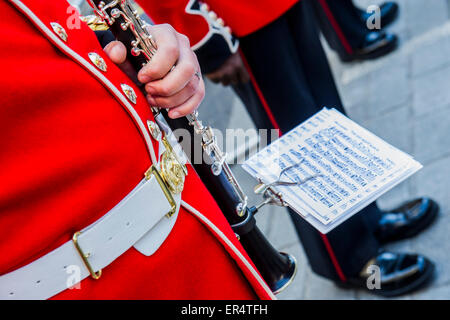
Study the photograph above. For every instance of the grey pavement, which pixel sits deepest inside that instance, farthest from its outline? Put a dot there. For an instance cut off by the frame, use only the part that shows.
(405, 99)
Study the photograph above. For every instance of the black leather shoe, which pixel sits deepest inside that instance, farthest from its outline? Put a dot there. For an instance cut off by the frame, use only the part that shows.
(376, 44)
(407, 220)
(388, 13)
(398, 274)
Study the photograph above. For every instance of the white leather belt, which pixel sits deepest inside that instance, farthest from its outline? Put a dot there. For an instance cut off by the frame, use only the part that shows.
(139, 220)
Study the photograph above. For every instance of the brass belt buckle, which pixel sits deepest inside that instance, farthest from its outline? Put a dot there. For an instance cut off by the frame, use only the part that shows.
(171, 175)
(152, 171)
(171, 180)
(164, 186)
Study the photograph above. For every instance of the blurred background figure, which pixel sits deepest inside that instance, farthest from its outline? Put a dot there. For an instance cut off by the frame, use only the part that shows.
(271, 54)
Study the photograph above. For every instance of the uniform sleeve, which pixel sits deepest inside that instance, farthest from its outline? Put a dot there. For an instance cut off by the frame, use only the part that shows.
(210, 37)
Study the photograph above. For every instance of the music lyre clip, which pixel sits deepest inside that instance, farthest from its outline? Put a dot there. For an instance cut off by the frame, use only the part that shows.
(273, 197)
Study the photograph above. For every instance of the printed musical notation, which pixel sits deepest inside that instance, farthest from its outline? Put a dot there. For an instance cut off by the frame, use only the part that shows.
(347, 168)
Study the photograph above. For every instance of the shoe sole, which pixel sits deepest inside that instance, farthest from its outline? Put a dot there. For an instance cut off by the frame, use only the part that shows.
(371, 56)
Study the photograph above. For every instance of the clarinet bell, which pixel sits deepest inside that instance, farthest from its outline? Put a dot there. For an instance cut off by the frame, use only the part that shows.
(290, 266)
(278, 269)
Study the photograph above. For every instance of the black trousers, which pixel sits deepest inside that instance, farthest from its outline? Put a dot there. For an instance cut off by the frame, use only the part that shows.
(290, 69)
(341, 24)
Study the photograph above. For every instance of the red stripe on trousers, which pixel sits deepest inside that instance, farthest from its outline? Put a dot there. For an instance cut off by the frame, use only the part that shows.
(263, 101)
(336, 26)
(333, 258)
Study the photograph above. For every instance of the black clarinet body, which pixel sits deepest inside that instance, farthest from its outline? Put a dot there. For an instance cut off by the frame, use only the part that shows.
(277, 269)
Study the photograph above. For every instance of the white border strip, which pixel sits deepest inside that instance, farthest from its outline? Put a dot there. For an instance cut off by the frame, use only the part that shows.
(231, 246)
(92, 69)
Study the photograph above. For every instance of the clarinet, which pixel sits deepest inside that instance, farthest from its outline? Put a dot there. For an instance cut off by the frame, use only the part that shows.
(277, 269)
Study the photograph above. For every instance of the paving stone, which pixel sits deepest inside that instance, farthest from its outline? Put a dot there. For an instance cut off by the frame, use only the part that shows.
(394, 127)
(324, 289)
(436, 293)
(358, 114)
(372, 89)
(434, 243)
(222, 109)
(420, 16)
(395, 196)
(431, 136)
(282, 232)
(350, 72)
(430, 56)
(264, 221)
(434, 181)
(389, 88)
(367, 295)
(430, 92)
(356, 99)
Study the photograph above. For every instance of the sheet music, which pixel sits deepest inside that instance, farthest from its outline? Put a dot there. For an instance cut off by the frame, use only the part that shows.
(352, 167)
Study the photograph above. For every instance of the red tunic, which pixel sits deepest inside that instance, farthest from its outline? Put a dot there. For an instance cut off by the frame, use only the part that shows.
(69, 152)
(243, 17)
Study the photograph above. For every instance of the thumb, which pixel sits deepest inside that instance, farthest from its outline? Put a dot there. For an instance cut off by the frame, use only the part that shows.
(116, 51)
